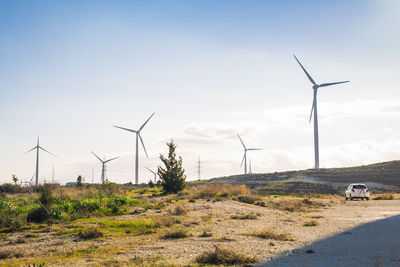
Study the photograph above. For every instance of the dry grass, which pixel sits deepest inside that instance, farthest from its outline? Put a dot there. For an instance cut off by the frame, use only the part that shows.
(178, 210)
(205, 234)
(294, 204)
(224, 257)
(90, 233)
(248, 216)
(386, 196)
(176, 234)
(219, 190)
(268, 233)
(311, 223)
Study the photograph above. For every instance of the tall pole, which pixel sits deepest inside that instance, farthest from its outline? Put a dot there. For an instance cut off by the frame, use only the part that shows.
(198, 169)
(137, 160)
(245, 161)
(316, 145)
(102, 173)
(37, 165)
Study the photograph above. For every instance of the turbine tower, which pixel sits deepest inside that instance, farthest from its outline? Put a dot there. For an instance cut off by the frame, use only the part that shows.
(155, 174)
(315, 88)
(138, 136)
(38, 147)
(245, 154)
(103, 168)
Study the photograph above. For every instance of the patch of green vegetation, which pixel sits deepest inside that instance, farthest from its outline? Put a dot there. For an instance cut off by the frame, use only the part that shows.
(311, 223)
(30, 235)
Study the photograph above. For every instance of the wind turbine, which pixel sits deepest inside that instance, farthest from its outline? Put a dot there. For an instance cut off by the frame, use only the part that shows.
(315, 88)
(38, 147)
(103, 168)
(138, 136)
(155, 174)
(245, 154)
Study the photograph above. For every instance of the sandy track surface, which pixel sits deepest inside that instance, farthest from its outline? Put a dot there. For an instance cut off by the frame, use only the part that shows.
(334, 217)
(374, 243)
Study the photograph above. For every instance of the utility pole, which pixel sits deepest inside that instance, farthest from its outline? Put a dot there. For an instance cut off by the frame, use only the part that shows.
(199, 169)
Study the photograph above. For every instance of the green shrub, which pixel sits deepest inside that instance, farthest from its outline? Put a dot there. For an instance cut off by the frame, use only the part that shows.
(224, 256)
(90, 233)
(38, 215)
(311, 223)
(176, 234)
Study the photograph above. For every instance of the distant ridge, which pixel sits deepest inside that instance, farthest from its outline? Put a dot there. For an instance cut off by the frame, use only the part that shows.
(379, 176)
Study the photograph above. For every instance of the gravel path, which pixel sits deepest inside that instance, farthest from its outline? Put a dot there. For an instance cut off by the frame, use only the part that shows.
(373, 244)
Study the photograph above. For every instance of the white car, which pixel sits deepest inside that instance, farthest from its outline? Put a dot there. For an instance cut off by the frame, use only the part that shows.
(357, 191)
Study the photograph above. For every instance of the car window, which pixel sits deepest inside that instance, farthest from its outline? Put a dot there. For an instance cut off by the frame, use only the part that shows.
(359, 186)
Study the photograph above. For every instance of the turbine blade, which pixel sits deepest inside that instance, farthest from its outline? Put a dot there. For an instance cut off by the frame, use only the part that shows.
(329, 84)
(252, 149)
(126, 129)
(141, 140)
(150, 170)
(241, 141)
(242, 160)
(312, 108)
(96, 156)
(110, 159)
(29, 150)
(308, 75)
(141, 127)
(47, 151)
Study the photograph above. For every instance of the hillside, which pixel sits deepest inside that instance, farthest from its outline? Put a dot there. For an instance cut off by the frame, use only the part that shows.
(383, 176)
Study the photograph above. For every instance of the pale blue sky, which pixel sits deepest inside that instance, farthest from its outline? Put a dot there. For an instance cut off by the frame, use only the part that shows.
(71, 69)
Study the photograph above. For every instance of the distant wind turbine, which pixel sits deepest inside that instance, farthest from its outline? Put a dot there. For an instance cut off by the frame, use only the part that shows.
(103, 168)
(245, 154)
(314, 109)
(138, 136)
(155, 174)
(38, 147)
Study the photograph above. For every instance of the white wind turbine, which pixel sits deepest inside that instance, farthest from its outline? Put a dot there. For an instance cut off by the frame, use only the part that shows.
(38, 147)
(245, 154)
(138, 136)
(314, 109)
(155, 174)
(103, 168)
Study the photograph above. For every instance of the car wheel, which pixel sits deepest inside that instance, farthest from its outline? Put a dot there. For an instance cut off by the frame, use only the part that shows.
(367, 198)
(351, 198)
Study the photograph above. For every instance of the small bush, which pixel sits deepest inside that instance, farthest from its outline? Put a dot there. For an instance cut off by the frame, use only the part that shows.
(176, 234)
(387, 196)
(248, 216)
(38, 215)
(205, 234)
(178, 210)
(91, 233)
(270, 234)
(249, 199)
(311, 223)
(224, 256)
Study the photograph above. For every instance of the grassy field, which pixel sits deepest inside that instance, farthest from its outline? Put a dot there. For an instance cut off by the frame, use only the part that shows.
(80, 222)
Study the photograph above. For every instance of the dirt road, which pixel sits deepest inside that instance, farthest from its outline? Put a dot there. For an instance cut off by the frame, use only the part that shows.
(374, 240)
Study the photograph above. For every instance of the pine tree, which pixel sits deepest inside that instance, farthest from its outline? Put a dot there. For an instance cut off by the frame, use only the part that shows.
(173, 175)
